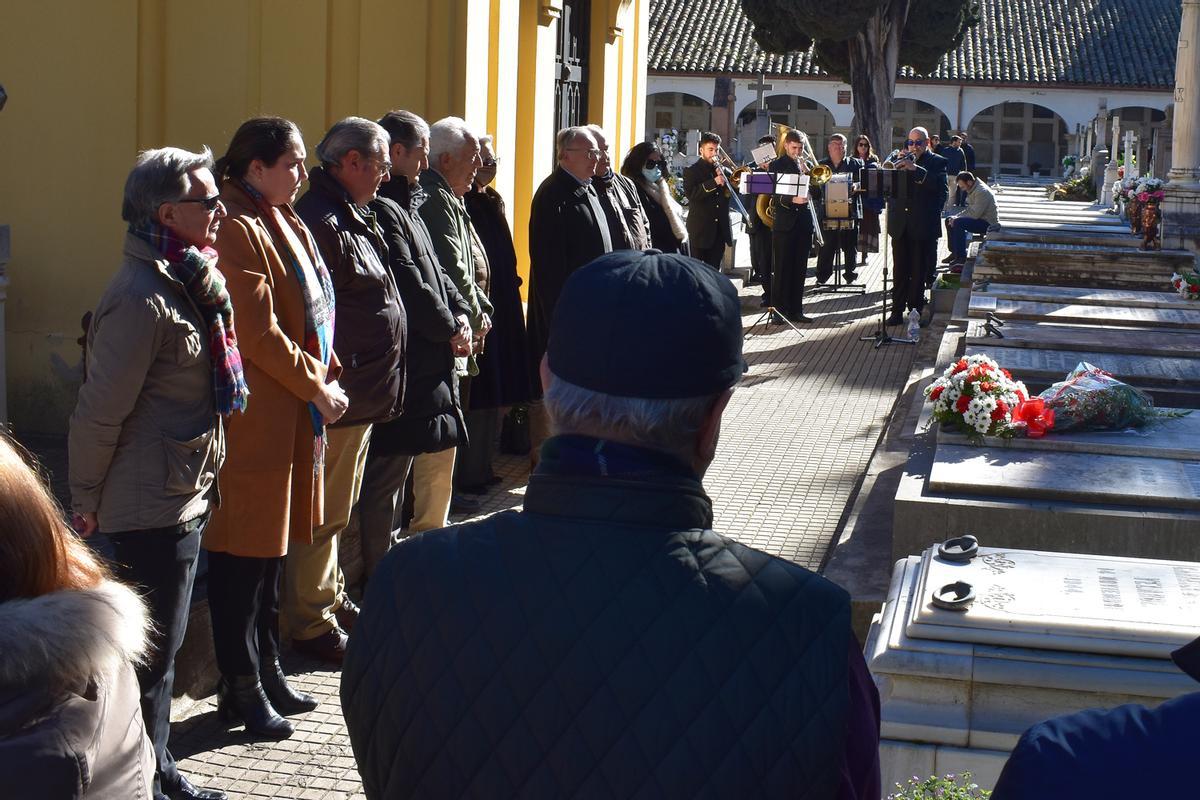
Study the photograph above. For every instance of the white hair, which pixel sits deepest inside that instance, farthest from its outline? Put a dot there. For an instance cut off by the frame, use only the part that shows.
(448, 136)
(352, 133)
(159, 176)
(567, 136)
(668, 425)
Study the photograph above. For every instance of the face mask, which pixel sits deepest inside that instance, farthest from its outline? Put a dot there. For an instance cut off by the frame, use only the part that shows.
(485, 175)
(651, 174)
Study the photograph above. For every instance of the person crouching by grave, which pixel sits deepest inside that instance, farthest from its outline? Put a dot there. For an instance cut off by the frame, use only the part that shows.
(1127, 751)
(610, 590)
(439, 329)
(628, 228)
(645, 166)
(70, 718)
(163, 367)
(370, 333)
(271, 485)
(791, 235)
(708, 196)
(980, 216)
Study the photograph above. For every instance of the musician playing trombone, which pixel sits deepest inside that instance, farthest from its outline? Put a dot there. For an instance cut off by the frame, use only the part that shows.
(915, 224)
(840, 234)
(792, 234)
(708, 194)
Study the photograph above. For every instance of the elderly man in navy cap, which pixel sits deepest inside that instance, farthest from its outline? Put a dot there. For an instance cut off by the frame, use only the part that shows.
(605, 641)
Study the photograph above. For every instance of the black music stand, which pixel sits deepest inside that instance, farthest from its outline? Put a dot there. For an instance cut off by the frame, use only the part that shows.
(885, 187)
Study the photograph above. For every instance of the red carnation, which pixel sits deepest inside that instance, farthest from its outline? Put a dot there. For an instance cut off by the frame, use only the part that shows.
(1001, 411)
(960, 366)
(1006, 374)
(987, 386)
(937, 392)
(962, 404)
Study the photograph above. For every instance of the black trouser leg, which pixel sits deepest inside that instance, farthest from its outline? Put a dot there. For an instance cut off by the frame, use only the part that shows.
(825, 255)
(379, 506)
(162, 564)
(927, 255)
(849, 249)
(710, 255)
(243, 597)
(473, 464)
(905, 273)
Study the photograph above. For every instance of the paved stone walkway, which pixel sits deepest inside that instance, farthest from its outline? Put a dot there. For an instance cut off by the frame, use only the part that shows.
(795, 444)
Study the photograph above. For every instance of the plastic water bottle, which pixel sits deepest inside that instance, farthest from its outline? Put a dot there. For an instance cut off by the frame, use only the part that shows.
(914, 325)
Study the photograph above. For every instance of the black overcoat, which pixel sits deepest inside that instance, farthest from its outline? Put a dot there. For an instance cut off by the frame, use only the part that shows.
(708, 207)
(920, 216)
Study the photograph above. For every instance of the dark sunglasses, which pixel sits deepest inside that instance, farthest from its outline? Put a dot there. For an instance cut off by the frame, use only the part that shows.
(911, 142)
(209, 203)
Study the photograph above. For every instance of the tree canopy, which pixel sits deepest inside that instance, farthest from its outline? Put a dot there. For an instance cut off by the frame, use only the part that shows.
(786, 26)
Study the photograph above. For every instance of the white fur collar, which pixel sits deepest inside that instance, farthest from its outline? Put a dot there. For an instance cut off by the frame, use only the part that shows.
(70, 638)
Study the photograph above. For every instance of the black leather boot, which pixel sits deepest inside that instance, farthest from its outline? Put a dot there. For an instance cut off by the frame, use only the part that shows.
(284, 698)
(241, 697)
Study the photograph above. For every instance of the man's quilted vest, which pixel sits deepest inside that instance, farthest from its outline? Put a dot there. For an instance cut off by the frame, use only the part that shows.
(604, 643)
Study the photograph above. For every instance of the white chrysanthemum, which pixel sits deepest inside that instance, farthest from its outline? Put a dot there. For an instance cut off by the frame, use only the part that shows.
(952, 394)
(983, 424)
(987, 403)
(1020, 388)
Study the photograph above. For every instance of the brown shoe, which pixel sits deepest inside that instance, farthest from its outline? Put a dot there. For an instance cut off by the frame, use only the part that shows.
(329, 647)
(347, 614)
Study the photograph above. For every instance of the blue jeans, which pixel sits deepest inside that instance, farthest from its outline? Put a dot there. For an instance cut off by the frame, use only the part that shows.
(958, 234)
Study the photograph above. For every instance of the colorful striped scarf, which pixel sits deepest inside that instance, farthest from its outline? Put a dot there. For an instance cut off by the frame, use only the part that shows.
(196, 269)
(318, 302)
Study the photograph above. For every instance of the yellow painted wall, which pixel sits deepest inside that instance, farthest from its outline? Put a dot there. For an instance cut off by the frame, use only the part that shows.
(92, 82)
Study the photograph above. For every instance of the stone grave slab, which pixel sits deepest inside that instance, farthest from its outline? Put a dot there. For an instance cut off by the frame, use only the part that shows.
(953, 700)
(984, 303)
(1052, 336)
(1048, 366)
(1077, 477)
(1079, 265)
(1086, 296)
(1175, 438)
(1063, 601)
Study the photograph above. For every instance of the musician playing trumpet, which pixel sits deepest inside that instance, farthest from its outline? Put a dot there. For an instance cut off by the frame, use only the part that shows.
(839, 234)
(708, 196)
(792, 234)
(915, 225)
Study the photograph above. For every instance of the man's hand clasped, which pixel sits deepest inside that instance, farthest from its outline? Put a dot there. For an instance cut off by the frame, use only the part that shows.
(331, 401)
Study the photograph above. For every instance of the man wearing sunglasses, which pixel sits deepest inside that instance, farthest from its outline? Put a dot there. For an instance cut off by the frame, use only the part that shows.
(914, 223)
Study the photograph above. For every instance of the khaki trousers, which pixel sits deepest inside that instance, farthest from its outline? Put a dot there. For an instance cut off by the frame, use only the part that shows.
(313, 583)
(433, 484)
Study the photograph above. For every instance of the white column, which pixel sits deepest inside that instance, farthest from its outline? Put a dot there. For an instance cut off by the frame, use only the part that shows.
(1131, 169)
(1110, 170)
(1181, 208)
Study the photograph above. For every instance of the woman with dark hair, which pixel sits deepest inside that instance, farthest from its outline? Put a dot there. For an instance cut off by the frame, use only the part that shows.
(70, 635)
(645, 166)
(271, 486)
(868, 226)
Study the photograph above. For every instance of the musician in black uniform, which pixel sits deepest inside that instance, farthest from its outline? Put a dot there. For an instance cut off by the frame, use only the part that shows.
(791, 236)
(708, 204)
(760, 236)
(915, 226)
(839, 233)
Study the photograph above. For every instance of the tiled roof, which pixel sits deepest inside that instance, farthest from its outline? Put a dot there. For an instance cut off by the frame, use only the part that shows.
(1113, 43)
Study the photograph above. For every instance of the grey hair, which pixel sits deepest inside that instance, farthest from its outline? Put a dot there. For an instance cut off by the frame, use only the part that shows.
(352, 133)
(924, 131)
(487, 139)
(593, 128)
(159, 176)
(837, 137)
(448, 136)
(566, 137)
(667, 425)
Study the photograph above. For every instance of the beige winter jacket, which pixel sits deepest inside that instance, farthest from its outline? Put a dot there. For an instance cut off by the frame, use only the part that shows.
(146, 442)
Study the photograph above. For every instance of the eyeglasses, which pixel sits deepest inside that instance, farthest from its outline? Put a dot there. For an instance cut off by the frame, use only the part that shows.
(491, 162)
(592, 152)
(385, 166)
(210, 203)
(911, 142)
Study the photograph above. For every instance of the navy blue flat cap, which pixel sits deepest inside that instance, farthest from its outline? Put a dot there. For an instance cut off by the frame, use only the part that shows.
(647, 324)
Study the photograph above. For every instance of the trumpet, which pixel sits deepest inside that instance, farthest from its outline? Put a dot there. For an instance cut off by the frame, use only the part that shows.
(896, 159)
(733, 178)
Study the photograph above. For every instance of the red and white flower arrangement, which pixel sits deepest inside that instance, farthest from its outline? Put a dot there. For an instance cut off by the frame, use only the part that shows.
(978, 397)
(1187, 285)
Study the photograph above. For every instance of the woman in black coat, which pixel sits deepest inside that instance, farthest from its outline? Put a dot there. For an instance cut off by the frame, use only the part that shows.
(505, 374)
(645, 166)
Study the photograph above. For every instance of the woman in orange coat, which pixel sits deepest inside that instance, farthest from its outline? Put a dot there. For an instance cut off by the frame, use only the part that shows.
(271, 484)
